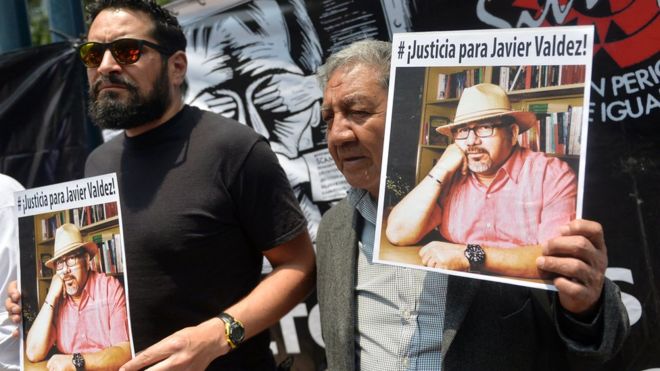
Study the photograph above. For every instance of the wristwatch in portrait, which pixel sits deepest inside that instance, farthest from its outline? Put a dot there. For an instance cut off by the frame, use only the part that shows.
(78, 361)
(476, 255)
(233, 330)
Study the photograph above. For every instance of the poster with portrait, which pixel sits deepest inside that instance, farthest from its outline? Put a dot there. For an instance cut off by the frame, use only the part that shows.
(72, 275)
(498, 150)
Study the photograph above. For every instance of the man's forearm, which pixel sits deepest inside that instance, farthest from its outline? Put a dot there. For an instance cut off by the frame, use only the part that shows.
(195, 347)
(109, 358)
(417, 214)
(517, 261)
(291, 280)
(40, 336)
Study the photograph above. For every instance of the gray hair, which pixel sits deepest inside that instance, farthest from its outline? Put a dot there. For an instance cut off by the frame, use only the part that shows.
(369, 52)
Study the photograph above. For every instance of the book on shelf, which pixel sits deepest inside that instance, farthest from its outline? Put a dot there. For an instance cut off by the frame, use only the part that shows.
(516, 79)
(575, 130)
(572, 74)
(86, 215)
(109, 257)
(452, 85)
(509, 77)
(512, 78)
(503, 77)
(432, 137)
(49, 225)
(442, 85)
(557, 130)
(110, 209)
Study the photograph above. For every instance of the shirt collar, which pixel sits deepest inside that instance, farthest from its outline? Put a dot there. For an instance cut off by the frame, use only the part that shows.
(513, 165)
(363, 203)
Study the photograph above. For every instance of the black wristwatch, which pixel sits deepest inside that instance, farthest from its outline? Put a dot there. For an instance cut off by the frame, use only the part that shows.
(78, 361)
(233, 330)
(476, 255)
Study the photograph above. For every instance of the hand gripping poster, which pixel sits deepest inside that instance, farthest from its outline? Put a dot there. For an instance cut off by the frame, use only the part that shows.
(72, 276)
(495, 151)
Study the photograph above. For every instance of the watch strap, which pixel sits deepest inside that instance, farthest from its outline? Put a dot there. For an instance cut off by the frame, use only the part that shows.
(234, 330)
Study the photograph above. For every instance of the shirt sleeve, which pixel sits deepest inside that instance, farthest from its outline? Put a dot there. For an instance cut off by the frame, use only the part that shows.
(268, 210)
(591, 343)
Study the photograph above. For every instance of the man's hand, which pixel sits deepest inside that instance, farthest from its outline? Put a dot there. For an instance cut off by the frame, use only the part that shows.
(192, 348)
(579, 258)
(55, 290)
(13, 305)
(452, 159)
(444, 255)
(61, 362)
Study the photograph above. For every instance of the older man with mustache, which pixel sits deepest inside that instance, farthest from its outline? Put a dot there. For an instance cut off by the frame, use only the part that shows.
(377, 317)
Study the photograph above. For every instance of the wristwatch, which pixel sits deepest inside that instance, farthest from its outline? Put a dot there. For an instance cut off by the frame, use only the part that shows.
(233, 330)
(476, 255)
(78, 361)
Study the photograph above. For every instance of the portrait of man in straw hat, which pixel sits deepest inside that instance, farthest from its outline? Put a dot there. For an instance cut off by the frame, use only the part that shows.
(493, 201)
(84, 313)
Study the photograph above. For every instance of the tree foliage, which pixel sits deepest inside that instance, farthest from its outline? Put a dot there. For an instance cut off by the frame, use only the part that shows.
(39, 24)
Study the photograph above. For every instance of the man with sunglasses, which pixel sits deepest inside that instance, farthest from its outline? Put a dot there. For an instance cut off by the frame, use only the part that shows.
(203, 201)
(492, 200)
(84, 312)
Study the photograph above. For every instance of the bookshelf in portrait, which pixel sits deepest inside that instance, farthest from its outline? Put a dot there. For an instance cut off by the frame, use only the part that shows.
(555, 94)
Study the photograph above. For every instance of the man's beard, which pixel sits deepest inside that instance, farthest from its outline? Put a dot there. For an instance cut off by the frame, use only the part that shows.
(110, 111)
(72, 288)
(479, 167)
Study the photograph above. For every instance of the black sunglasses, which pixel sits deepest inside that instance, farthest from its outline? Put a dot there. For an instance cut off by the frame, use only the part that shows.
(125, 51)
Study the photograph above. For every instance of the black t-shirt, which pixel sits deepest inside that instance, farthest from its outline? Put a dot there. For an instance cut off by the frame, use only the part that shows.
(201, 197)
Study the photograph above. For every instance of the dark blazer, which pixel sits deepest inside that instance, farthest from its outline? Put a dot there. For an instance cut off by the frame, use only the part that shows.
(488, 326)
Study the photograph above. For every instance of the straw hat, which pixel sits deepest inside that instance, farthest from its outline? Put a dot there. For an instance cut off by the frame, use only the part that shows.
(68, 239)
(484, 101)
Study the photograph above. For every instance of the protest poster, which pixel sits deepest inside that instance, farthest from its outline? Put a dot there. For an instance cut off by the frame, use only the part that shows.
(536, 77)
(72, 275)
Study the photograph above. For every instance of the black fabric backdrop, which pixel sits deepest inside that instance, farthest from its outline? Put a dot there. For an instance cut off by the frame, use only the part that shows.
(44, 132)
(45, 135)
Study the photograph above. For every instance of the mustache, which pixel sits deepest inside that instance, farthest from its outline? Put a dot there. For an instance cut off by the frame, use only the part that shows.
(473, 150)
(112, 79)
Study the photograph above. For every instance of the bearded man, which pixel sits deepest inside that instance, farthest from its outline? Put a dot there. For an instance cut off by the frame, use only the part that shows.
(203, 201)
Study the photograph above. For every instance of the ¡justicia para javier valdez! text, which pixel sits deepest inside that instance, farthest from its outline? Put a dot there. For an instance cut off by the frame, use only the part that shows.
(91, 189)
(541, 46)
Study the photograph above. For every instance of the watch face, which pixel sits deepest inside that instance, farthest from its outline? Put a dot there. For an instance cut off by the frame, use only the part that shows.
(475, 254)
(237, 333)
(78, 361)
